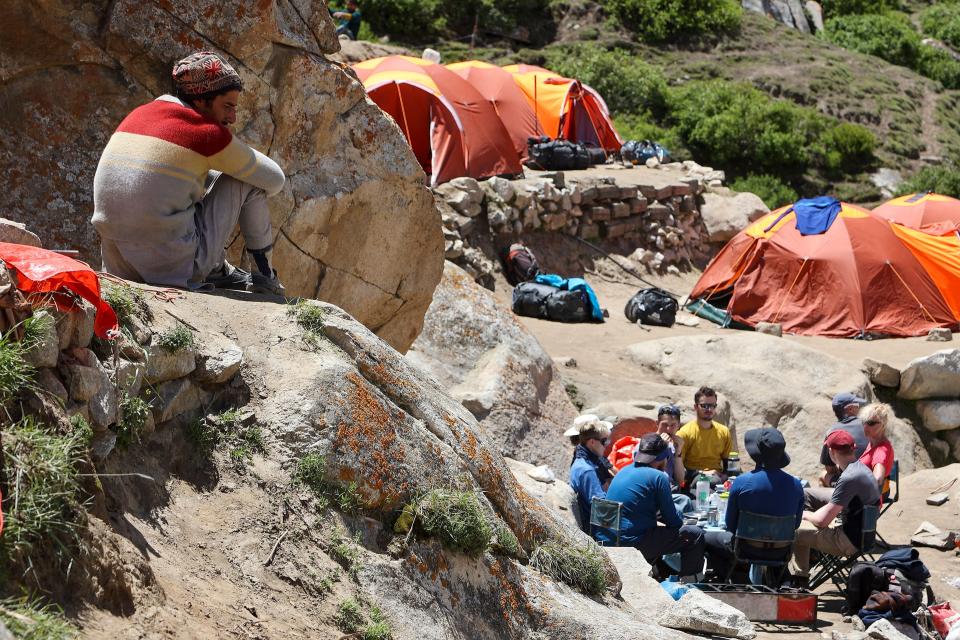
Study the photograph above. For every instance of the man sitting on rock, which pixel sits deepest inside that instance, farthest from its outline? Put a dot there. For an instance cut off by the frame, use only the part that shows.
(590, 472)
(707, 443)
(173, 183)
(767, 490)
(644, 491)
(856, 488)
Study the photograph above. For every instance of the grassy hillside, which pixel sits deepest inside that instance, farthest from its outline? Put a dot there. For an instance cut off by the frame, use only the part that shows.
(913, 118)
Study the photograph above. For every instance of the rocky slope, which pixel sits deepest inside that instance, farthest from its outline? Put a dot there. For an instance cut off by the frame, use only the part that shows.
(355, 207)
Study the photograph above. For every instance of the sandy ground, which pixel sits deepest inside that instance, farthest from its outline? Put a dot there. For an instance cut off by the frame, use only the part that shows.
(603, 373)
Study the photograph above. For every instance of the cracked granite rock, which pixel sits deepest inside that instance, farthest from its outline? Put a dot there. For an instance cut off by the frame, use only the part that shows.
(355, 225)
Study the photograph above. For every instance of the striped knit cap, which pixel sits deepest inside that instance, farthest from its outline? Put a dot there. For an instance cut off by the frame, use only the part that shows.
(203, 72)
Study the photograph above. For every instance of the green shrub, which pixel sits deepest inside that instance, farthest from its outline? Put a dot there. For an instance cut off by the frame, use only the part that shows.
(134, 413)
(379, 627)
(175, 339)
(581, 567)
(887, 36)
(350, 616)
(44, 508)
(311, 471)
(833, 8)
(31, 620)
(770, 189)
(849, 148)
(939, 65)
(942, 21)
(944, 180)
(421, 20)
(203, 435)
(660, 20)
(627, 84)
(311, 318)
(456, 518)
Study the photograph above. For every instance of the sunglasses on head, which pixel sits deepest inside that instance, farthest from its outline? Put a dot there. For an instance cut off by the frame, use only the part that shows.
(871, 423)
(707, 405)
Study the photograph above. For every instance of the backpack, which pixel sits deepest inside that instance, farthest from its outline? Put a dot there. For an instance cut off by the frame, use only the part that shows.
(557, 155)
(639, 151)
(521, 264)
(535, 300)
(652, 306)
(865, 578)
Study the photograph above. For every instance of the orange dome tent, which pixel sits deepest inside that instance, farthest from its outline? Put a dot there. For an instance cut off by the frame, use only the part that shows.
(566, 108)
(855, 279)
(921, 209)
(510, 102)
(453, 130)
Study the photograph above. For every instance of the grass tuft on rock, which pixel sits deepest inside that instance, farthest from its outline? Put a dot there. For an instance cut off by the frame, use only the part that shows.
(350, 618)
(32, 620)
(176, 339)
(310, 318)
(581, 567)
(16, 374)
(370, 626)
(456, 518)
(44, 507)
(127, 302)
(134, 413)
(311, 472)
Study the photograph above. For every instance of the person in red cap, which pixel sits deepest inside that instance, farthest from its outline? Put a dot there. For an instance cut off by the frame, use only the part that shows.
(173, 183)
(855, 489)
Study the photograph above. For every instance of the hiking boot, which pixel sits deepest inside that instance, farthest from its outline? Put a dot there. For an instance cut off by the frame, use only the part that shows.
(229, 277)
(263, 284)
(264, 277)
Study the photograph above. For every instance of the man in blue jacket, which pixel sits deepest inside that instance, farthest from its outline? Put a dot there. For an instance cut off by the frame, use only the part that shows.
(644, 490)
(590, 472)
(767, 490)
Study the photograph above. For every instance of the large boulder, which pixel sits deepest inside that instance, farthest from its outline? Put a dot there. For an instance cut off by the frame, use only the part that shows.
(497, 369)
(725, 213)
(355, 210)
(795, 399)
(391, 433)
(933, 376)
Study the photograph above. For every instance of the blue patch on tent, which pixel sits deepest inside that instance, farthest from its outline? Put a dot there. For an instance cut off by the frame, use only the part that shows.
(815, 215)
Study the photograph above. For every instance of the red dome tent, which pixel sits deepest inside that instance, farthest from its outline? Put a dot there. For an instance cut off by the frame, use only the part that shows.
(511, 104)
(854, 279)
(453, 130)
(920, 209)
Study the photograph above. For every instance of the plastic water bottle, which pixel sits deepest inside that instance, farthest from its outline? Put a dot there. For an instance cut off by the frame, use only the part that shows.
(724, 496)
(703, 492)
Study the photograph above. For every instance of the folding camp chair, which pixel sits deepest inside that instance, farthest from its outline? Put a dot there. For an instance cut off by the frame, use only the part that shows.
(890, 496)
(837, 568)
(605, 514)
(757, 535)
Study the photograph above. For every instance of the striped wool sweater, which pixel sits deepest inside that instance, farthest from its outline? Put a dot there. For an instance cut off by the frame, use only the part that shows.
(152, 172)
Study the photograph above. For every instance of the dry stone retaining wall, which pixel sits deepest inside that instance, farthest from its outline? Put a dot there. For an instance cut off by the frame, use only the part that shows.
(662, 222)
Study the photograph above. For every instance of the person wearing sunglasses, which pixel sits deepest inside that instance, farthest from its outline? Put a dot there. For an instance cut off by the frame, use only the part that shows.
(878, 455)
(707, 443)
(846, 406)
(590, 472)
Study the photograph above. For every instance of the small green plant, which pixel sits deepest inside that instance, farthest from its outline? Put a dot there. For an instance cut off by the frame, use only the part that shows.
(134, 413)
(203, 435)
(35, 329)
(310, 318)
(350, 618)
(311, 471)
(379, 627)
(176, 339)
(31, 620)
(80, 426)
(456, 518)
(44, 508)
(126, 301)
(505, 542)
(346, 553)
(770, 189)
(581, 567)
(16, 374)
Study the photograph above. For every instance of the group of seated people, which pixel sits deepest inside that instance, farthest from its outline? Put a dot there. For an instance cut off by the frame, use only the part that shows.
(654, 491)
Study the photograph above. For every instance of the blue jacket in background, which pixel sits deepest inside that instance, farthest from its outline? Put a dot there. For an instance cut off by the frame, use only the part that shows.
(766, 492)
(645, 495)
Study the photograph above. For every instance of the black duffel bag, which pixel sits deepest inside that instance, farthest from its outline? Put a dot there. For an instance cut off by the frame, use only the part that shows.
(568, 306)
(557, 155)
(530, 299)
(652, 306)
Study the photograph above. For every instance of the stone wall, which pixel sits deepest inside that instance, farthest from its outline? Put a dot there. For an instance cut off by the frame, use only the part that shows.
(660, 220)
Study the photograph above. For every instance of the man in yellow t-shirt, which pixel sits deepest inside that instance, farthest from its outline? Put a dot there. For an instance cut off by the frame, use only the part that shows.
(708, 443)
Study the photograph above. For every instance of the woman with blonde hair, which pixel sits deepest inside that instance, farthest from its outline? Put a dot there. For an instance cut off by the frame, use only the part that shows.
(879, 453)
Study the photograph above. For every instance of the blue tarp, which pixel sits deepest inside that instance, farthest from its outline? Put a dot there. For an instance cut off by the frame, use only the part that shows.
(574, 284)
(815, 215)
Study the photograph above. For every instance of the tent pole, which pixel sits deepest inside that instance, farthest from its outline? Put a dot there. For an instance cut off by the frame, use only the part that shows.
(403, 114)
(536, 106)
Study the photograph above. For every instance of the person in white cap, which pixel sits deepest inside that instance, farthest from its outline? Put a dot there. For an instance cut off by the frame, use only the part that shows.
(591, 472)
